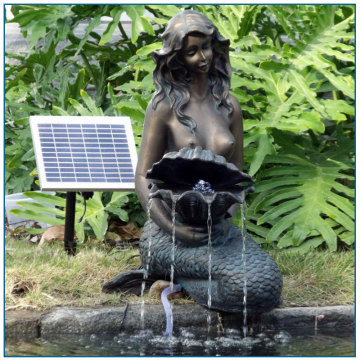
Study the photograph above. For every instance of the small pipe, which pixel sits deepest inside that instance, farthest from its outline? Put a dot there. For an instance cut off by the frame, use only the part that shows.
(167, 307)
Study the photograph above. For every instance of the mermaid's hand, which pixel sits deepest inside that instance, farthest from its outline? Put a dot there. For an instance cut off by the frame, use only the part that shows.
(196, 235)
(191, 235)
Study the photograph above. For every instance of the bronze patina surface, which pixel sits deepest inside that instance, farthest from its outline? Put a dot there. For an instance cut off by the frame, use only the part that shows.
(193, 132)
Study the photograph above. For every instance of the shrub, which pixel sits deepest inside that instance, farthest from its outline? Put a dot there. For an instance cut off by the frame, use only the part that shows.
(293, 73)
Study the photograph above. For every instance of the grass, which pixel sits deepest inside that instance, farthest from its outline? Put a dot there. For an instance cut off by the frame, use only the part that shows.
(317, 278)
(53, 278)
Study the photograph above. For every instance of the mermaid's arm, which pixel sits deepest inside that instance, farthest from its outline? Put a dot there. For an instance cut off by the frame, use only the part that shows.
(153, 147)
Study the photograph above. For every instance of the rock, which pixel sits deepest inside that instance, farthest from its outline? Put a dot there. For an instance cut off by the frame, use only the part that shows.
(157, 288)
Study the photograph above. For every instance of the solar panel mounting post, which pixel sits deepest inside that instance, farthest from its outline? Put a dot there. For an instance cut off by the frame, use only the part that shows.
(69, 240)
(83, 154)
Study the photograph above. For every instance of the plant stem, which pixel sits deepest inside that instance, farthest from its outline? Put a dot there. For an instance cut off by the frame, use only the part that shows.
(132, 47)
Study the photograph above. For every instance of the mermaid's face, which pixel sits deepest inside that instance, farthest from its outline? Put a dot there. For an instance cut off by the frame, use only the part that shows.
(198, 53)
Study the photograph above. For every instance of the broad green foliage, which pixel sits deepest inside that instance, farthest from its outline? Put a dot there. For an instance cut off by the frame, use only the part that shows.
(303, 194)
(293, 74)
(50, 209)
(58, 66)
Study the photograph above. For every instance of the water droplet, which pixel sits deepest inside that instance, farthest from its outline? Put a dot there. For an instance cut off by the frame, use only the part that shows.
(233, 332)
(185, 333)
(270, 344)
(282, 337)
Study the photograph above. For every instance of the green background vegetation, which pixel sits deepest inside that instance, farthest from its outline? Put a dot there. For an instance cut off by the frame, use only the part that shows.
(293, 74)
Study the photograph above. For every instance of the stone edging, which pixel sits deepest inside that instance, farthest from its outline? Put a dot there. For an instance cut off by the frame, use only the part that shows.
(81, 321)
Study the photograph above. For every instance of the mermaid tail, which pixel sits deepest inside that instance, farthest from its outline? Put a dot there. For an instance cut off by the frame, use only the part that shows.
(228, 272)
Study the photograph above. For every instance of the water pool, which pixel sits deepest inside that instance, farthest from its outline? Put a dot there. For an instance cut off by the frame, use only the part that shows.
(189, 342)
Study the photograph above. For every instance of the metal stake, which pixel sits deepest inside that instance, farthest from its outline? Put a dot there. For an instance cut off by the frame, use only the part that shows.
(70, 242)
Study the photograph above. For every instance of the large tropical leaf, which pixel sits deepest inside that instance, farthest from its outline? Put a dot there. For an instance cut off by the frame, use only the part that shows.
(233, 21)
(305, 196)
(283, 77)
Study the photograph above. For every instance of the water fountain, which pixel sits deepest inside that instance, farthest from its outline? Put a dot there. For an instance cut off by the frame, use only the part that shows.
(227, 271)
(189, 166)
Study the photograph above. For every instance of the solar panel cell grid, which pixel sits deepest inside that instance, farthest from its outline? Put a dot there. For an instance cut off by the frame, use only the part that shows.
(77, 153)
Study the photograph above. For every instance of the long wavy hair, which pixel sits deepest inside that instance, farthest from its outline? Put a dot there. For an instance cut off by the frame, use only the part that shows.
(171, 77)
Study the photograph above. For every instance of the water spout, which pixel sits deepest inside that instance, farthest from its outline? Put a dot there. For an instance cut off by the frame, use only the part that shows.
(167, 307)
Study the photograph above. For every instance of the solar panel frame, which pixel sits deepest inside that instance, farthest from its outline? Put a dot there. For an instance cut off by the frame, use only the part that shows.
(101, 151)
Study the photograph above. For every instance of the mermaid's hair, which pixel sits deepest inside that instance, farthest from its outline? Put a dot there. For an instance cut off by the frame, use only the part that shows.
(171, 77)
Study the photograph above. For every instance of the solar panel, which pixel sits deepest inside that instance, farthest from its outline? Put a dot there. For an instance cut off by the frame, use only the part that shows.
(87, 153)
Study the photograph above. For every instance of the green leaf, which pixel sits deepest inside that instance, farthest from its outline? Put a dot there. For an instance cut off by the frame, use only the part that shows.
(79, 84)
(135, 114)
(28, 214)
(96, 216)
(92, 25)
(312, 120)
(281, 209)
(157, 21)
(63, 28)
(115, 14)
(148, 49)
(29, 155)
(142, 102)
(310, 95)
(302, 195)
(41, 208)
(80, 232)
(113, 99)
(32, 231)
(305, 247)
(121, 213)
(79, 108)
(137, 25)
(348, 237)
(99, 223)
(265, 147)
(168, 10)
(343, 84)
(337, 109)
(46, 198)
(275, 197)
(57, 111)
(26, 16)
(90, 103)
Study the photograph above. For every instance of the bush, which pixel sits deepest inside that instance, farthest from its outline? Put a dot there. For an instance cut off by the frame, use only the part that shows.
(293, 73)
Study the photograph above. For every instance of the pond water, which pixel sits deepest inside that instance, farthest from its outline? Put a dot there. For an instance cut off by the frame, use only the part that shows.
(188, 342)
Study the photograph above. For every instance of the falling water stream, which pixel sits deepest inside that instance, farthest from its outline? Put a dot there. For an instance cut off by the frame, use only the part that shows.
(147, 265)
(172, 267)
(209, 225)
(173, 216)
(172, 288)
(243, 258)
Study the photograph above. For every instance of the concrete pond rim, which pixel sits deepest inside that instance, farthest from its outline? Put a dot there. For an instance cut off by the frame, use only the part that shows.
(30, 325)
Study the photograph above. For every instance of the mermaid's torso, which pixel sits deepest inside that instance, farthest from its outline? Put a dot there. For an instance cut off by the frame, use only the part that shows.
(212, 131)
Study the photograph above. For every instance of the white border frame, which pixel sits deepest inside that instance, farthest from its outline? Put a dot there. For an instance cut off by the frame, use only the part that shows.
(81, 186)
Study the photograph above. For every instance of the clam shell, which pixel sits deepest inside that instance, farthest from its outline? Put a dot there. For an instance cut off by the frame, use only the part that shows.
(192, 207)
(187, 166)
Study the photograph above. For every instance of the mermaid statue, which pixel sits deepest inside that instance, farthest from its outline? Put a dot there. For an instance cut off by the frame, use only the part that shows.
(190, 163)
